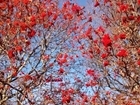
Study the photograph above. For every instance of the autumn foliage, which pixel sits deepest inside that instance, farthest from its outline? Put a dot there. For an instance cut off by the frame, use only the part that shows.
(61, 53)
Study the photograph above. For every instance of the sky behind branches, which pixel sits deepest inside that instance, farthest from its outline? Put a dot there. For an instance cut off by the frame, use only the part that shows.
(82, 2)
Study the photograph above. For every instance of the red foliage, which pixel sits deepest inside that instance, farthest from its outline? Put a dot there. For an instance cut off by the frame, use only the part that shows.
(27, 77)
(138, 51)
(23, 26)
(122, 36)
(85, 98)
(31, 34)
(76, 8)
(123, 7)
(68, 16)
(43, 15)
(57, 80)
(45, 57)
(62, 58)
(106, 40)
(55, 16)
(16, 23)
(138, 1)
(25, 1)
(90, 19)
(91, 83)
(131, 17)
(96, 4)
(16, 2)
(61, 71)
(104, 55)
(89, 32)
(66, 95)
(90, 72)
(2, 1)
(100, 29)
(124, 19)
(3, 5)
(18, 48)
(122, 53)
(33, 18)
(138, 62)
(11, 53)
(66, 99)
(71, 26)
(14, 71)
(106, 1)
(27, 43)
(106, 63)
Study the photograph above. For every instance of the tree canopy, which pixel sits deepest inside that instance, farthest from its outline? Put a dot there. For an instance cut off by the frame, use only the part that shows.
(57, 52)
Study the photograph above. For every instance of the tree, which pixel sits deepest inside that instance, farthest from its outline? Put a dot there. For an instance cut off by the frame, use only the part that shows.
(36, 48)
(114, 45)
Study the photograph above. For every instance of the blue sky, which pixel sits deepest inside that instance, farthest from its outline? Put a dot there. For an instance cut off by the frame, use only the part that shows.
(82, 2)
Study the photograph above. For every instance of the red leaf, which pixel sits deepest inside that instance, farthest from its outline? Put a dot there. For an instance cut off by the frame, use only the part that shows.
(106, 1)
(3, 5)
(45, 57)
(90, 19)
(18, 48)
(31, 34)
(104, 55)
(51, 64)
(25, 1)
(68, 16)
(122, 36)
(62, 58)
(90, 72)
(27, 43)
(76, 8)
(91, 83)
(2, 1)
(11, 53)
(16, 2)
(122, 53)
(14, 73)
(16, 23)
(47, 97)
(100, 29)
(124, 19)
(138, 62)
(43, 14)
(106, 40)
(49, 13)
(123, 7)
(61, 71)
(33, 18)
(138, 1)
(57, 80)
(32, 23)
(138, 51)
(55, 17)
(131, 17)
(88, 32)
(23, 26)
(85, 98)
(96, 4)
(66, 99)
(27, 77)
(106, 63)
